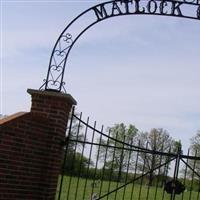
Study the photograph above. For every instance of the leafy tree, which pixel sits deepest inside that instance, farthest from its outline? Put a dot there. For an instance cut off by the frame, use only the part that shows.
(72, 157)
(78, 166)
(195, 142)
(192, 181)
(74, 133)
(195, 151)
(117, 158)
(156, 140)
(178, 146)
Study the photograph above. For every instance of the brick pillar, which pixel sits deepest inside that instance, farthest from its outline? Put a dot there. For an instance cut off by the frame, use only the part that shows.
(54, 108)
(31, 147)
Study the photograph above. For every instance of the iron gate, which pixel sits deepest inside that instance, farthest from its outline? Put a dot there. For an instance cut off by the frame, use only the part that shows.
(98, 166)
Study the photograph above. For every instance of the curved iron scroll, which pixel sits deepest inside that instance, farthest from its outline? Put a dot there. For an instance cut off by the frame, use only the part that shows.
(176, 8)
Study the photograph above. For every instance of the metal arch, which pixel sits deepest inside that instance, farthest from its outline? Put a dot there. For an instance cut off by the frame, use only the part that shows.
(66, 40)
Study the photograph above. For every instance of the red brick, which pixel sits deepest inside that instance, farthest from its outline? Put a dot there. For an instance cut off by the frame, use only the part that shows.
(30, 151)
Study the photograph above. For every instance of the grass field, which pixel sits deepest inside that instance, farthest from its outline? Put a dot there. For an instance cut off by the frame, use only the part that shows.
(84, 190)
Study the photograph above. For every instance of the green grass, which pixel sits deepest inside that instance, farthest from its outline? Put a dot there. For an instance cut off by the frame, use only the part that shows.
(119, 195)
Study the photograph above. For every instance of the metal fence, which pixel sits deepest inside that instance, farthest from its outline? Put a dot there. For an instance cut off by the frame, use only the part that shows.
(98, 165)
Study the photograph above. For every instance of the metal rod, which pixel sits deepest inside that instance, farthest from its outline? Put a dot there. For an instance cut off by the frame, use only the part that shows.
(185, 173)
(194, 166)
(90, 154)
(120, 166)
(127, 171)
(74, 154)
(83, 148)
(173, 195)
(166, 169)
(135, 172)
(103, 171)
(159, 172)
(65, 156)
(112, 165)
(97, 159)
(143, 169)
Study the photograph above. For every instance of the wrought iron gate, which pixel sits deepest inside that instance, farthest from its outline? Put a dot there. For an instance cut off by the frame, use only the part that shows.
(98, 166)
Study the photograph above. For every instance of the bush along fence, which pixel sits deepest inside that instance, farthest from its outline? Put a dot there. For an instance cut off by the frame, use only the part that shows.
(100, 164)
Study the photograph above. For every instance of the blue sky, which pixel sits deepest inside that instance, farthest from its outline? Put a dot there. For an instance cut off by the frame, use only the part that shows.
(142, 70)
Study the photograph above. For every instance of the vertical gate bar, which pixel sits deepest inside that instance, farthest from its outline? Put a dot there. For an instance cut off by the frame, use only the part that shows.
(102, 178)
(185, 173)
(198, 190)
(97, 159)
(74, 155)
(120, 167)
(177, 164)
(113, 158)
(83, 149)
(199, 185)
(192, 182)
(166, 169)
(157, 182)
(151, 172)
(65, 155)
(135, 171)
(127, 170)
(148, 189)
(90, 154)
(143, 169)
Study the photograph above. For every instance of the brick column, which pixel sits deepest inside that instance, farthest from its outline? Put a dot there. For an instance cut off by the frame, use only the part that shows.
(54, 108)
(30, 147)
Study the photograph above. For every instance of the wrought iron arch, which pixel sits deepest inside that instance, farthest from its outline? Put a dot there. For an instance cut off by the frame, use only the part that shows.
(100, 12)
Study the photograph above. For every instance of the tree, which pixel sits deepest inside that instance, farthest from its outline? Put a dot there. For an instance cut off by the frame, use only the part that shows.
(195, 151)
(157, 140)
(79, 165)
(116, 158)
(74, 133)
(195, 142)
(189, 174)
(72, 157)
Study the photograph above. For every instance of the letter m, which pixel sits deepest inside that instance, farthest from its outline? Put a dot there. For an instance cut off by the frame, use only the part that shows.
(100, 12)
